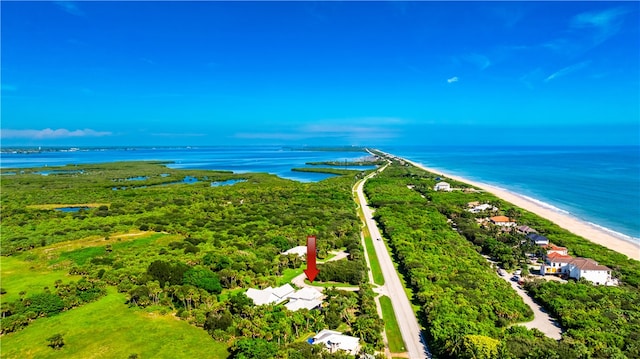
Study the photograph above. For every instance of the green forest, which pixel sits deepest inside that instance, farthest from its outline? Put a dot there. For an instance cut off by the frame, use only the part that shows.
(182, 244)
(467, 310)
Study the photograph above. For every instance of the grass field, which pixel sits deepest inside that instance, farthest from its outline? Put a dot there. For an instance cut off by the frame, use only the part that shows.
(108, 328)
(396, 344)
(60, 205)
(288, 275)
(376, 271)
(330, 284)
(18, 275)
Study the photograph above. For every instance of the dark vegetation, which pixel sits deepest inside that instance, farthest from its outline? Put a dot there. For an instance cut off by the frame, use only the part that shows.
(348, 163)
(210, 244)
(466, 309)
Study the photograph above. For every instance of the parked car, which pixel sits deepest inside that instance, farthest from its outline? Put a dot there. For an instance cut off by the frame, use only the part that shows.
(501, 272)
(517, 272)
(515, 278)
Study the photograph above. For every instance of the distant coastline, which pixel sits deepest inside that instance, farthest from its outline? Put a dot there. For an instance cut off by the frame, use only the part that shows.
(593, 232)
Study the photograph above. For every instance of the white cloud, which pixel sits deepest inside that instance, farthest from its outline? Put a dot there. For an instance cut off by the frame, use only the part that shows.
(69, 7)
(48, 133)
(350, 129)
(480, 61)
(604, 23)
(452, 80)
(567, 70)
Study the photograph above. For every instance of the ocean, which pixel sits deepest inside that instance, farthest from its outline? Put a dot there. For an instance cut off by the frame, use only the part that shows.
(599, 185)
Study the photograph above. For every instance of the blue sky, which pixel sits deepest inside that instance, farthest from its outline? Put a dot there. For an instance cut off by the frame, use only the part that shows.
(363, 73)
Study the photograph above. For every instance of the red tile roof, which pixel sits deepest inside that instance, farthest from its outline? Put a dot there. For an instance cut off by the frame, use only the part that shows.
(553, 247)
(559, 258)
(500, 219)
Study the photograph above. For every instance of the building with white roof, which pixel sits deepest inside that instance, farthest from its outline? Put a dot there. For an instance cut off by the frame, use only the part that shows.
(442, 186)
(270, 295)
(301, 251)
(335, 341)
(307, 298)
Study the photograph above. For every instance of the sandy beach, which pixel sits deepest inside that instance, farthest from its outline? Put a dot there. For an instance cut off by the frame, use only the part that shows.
(574, 225)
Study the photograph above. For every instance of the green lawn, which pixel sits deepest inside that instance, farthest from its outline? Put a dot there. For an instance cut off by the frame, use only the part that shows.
(376, 271)
(109, 329)
(329, 284)
(289, 274)
(396, 344)
(17, 275)
(378, 278)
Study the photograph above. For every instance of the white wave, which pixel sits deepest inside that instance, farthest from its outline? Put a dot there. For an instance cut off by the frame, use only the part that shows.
(544, 204)
(615, 234)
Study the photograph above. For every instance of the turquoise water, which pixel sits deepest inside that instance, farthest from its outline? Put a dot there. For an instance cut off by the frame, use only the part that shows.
(270, 159)
(599, 185)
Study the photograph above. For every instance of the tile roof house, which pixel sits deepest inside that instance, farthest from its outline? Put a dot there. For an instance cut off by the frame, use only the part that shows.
(502, 221)
(556, 263)
(552, 248)
(335, 341)
(526, 230)
(590, 270)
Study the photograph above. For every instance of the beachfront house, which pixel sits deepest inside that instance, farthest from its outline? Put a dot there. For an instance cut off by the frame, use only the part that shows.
(334, 341)
(442, 186)
(502, 221)
(590, 270)
(482, 207)
(525, 230)
(555, 263)
(552, 248)
(538, 239)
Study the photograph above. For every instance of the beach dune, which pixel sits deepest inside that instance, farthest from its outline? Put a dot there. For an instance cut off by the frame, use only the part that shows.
(572, 224)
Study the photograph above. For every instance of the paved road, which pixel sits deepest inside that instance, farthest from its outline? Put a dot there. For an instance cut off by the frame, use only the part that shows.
(299, 280)
(409, 327)
(541, 319)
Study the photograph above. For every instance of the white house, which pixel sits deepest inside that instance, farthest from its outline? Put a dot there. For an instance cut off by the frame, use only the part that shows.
(270, 295)
(556, 263)
(442, 186)
(307, 298)
(502, 221)
(335, 341)
(482, 207)
(301, 251)
(590, 270)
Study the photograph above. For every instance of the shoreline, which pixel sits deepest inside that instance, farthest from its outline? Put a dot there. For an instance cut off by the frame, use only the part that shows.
(590, 231)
